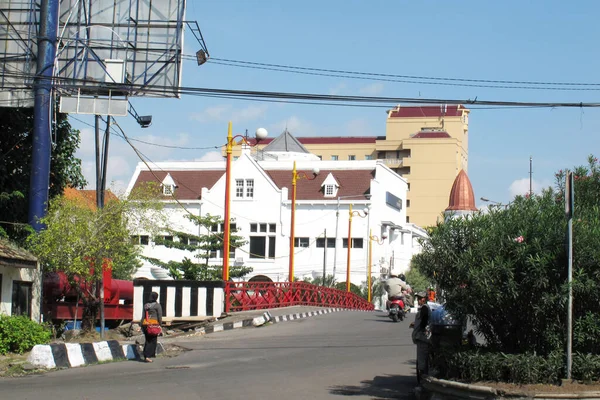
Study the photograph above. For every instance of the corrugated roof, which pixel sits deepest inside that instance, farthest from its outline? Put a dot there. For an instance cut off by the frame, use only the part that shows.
(13, 256)
(189, 183)
(427, 111)
(351, 183)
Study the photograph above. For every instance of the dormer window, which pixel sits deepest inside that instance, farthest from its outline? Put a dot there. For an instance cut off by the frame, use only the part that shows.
(168, 185)
(330, 186)
(168, 190)
(329, 190)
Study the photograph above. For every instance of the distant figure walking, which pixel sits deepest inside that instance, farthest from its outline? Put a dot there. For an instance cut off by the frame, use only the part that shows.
(152, 316)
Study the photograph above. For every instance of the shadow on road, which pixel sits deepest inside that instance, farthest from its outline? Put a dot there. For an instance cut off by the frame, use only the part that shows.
(381, 387)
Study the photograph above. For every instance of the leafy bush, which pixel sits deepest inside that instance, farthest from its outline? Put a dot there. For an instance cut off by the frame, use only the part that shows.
(19, 334)
(481, 365)
(507, 270)
(417, 281)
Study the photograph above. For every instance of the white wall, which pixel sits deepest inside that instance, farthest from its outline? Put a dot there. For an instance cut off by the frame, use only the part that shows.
(270, 205)
(10, 274)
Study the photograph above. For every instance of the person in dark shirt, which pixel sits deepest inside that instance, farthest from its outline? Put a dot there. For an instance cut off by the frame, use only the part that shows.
(154, 310)
(419, 335)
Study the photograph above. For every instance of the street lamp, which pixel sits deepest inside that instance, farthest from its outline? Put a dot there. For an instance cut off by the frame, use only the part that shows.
(295, 176)
(496, 203)
(260, 134)
(337, 224)
(352, 214)
(379, 241)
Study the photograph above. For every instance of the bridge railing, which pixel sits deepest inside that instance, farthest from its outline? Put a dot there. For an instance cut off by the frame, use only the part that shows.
(243, 296)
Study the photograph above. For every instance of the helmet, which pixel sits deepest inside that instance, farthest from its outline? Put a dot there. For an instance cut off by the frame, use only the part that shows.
(401, 276)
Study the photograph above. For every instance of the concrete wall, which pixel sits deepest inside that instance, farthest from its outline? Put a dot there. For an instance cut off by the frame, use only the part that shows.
(11, 274)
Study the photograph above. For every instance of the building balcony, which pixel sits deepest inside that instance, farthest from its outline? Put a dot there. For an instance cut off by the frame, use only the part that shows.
(392, 162)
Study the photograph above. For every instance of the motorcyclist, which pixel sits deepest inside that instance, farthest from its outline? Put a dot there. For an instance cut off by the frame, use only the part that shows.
(397, 288)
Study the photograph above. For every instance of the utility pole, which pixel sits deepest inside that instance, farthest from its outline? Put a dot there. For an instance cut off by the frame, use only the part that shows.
(569, 209)
(39, 183)
(530, 176)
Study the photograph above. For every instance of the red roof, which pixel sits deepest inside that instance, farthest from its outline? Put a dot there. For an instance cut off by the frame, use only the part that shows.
(462, 197)
(351, 183)
(189, 183)
(431, 135)
(326, 140)
(427, 111)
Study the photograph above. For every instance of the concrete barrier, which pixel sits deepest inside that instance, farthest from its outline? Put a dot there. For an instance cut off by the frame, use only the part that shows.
(69, 355)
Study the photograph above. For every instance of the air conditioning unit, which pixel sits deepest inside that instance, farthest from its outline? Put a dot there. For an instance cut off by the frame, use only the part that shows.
(239, 261)
(384, 270)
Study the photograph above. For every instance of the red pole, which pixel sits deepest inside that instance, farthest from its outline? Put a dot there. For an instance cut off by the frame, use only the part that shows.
(226, 233)
(292, 224)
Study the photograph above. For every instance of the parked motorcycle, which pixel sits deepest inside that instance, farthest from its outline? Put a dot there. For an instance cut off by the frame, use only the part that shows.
(396, 309)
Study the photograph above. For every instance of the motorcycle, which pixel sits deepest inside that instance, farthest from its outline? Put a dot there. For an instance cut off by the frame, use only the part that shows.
(396, 309)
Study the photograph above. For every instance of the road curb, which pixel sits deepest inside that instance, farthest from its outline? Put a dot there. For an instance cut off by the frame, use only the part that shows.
(70, 355)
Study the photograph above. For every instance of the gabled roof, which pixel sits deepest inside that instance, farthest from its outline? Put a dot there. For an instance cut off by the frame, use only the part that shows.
(286, 142)
(462, 197)
(189, 183)
(351, 182)
(431, 135)
(427, 111)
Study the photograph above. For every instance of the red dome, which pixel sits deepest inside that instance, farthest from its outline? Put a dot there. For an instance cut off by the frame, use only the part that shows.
(462, 197)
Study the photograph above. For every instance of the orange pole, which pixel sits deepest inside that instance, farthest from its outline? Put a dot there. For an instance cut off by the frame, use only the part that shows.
(226, 229)
(293, 223)
(369, 266)
(349, 248)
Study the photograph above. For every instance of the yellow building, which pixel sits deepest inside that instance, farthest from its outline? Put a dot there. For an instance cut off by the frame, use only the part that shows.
(427, 145)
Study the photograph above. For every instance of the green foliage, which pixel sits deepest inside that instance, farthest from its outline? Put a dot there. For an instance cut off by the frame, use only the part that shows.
(19, 334)
(16, 125)
(481, 365)
(353, 288)
(318, 281)
(79, 239)
(200, 246)
(418, 282)
(507, 270)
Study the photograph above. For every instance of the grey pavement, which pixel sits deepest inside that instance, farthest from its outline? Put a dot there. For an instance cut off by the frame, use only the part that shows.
(355, 354)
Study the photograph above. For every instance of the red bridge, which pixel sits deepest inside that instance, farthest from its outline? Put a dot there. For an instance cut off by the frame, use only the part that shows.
(243, 296)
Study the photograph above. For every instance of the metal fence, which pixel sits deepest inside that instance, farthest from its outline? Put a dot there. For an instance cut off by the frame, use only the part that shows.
(243, 296)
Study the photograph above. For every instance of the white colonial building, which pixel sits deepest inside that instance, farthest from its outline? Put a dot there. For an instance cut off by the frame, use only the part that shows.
(261, 191)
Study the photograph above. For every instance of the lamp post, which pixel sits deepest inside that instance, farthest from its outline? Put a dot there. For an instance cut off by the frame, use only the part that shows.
(351, 214)
(260, 134)
(337, 224)
(496, 203)
(295, 176)
(380, 242)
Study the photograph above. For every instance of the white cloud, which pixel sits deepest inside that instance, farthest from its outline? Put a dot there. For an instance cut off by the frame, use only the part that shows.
(357, 127)
(338, 90)
(295, 126)
(211, 156)
(372, 90)
(227, 112)
(521, 187)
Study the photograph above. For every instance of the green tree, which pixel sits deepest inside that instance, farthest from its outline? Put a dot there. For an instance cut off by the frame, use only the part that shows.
(80, 238)
(16, 125)
(507, 270)
(200, 248)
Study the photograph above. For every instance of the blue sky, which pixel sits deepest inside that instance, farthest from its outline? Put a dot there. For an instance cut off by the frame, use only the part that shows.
(510, 40)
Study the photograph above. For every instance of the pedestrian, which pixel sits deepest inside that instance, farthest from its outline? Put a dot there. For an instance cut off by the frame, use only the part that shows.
(419, 335)
(152, 316)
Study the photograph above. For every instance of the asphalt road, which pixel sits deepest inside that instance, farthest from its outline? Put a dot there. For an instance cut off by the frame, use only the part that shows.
(360, 355)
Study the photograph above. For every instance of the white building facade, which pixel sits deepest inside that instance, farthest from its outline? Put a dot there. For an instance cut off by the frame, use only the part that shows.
(261, 211)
